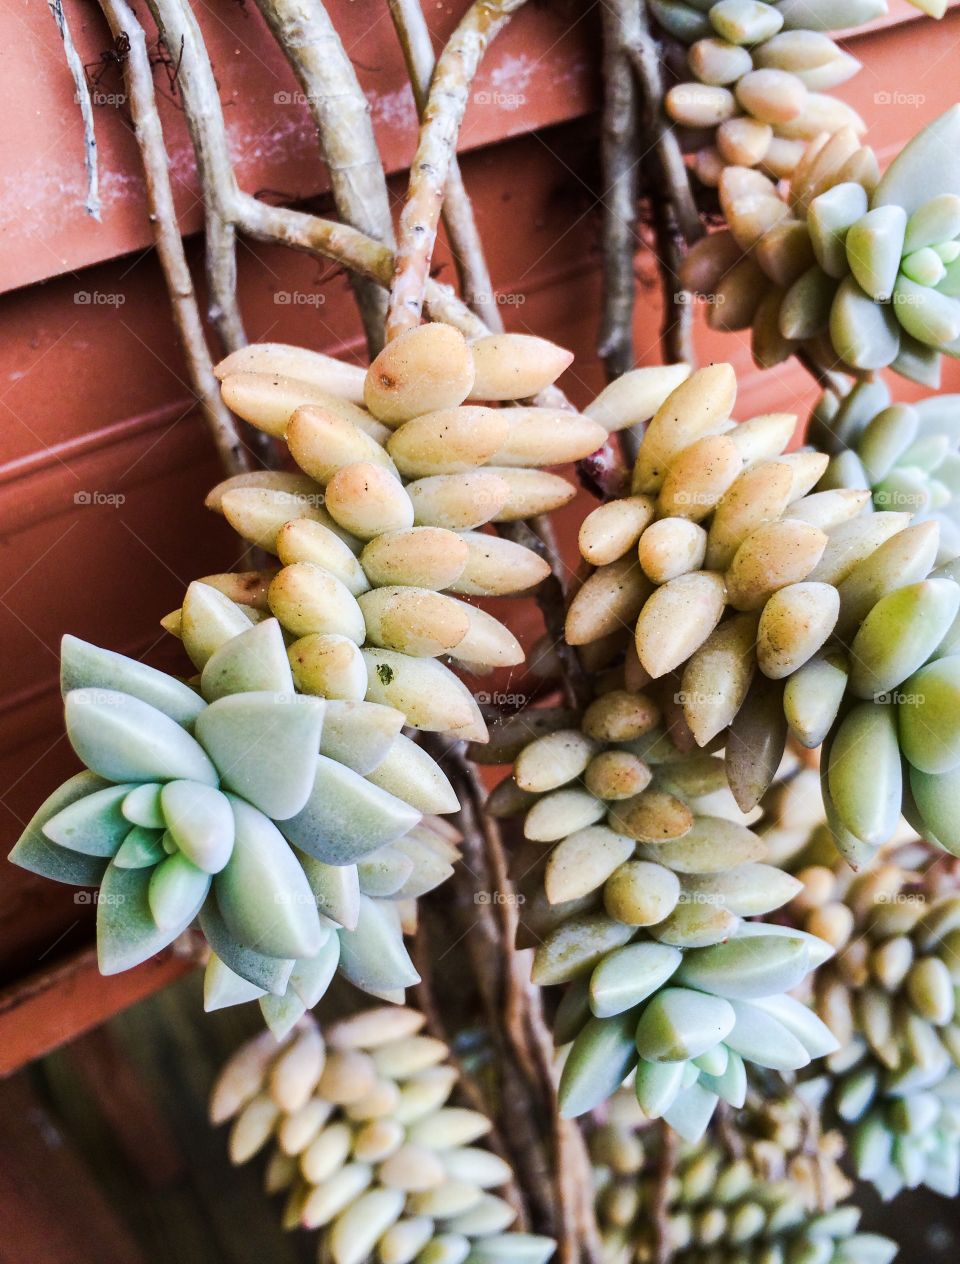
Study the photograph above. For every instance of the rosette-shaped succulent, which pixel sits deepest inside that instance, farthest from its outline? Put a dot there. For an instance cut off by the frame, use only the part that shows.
(905, 454)
(777, 1202)
(890, 997)
(379, 535)
(250, 808)
(760, 75)
(746, 605)
(858, 270)
(641, 912)
(365, 1147)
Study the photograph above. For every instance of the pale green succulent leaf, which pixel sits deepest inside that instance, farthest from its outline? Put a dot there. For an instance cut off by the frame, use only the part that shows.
(222, 988)
(680, 1023)
(177, 889)
(268, 974)
(142, 806)
(359, 734)
(936, 796)
(731, 1085)
(126, 740)
(628, 975)
(265, 746)
(312, 975)
(747, 968)
(282, 1013)
(511, 1248)
(200, 822)
(140, 848)
(384, 872)
(37, 854)
(864, 775)
(691, 1112)
(925, 168)
(410, 773)
(597, 1064)
(373, 956)
(127, 934)
(759, 1037)
(815, 1036)
(874, 247)
(94, 825)
(263, 893)
(656, 1085)
(86, 666)
(928, 315)
(336, 889)
(253, 662)
(864, 334)
(346, 817)
(928, 716)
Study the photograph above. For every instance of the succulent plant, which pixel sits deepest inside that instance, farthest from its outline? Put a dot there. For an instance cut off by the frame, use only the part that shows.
(780, 1200)
(859, 271)
(760, 75)
(383, 523)
(904, 454)
(643, 916)
(746, 605)
(365, 1148)
(247, 807)
(890, 997)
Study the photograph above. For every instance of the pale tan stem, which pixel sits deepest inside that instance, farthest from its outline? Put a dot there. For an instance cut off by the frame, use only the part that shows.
(341, 114)
(141, 95)
(82, 92)
(475, 283)
(442, 116)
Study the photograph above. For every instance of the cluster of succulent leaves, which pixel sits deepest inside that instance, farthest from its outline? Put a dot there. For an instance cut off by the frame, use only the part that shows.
(779, 1199)
(366, 1149)
(378, 533)
(642, 913)
(890, 996)
(239, 806)
(752, 597)
(858, 271)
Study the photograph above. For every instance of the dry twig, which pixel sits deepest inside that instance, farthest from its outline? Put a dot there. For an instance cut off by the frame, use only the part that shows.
(341, 114)
(458, 217)
(442, 115)
(138, 78)
(660, 1208)
(75, 66)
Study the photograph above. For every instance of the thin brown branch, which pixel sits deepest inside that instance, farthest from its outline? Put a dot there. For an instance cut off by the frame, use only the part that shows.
(442, 116)
(660, 1205)
(82, 95)
(341, 114)
(475, 283)
(141, 94)
(656, 133)
(620, 190)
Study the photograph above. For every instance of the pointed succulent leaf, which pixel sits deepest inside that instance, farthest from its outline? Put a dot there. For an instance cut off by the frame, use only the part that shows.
(140, 848)
(200, 822)
(928, 715)
(255, 661)
(94, 825)
(820, 951)
(269, 974)
(576, 946)
(176, 887)
(336, 889)
(312, 975)
(345, 817)
(627, 976)
(208, 620)
(922, 170)
(222, 988)
(874, 246)
(359, 734)
(36, 853)
(126, 740)
(127, 934)
(410, 773)
(747, 968)
(936, 797)
(815, 1036)
(265, 746)
(680, 1023)
(731, 1085)
(597, 1064)
(865, 334)
(282, 1013)
(263, 893)
(142, 806)
(758, 1037)
(691, 1112)
(86, 666)
(864, 776)
(656, 1085)
(373, 956)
